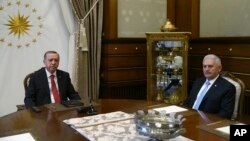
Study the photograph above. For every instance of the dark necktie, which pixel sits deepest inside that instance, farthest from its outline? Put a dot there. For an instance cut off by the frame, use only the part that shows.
(54, 90)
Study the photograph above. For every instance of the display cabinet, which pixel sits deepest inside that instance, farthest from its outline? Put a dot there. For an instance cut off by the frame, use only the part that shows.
(167, 54)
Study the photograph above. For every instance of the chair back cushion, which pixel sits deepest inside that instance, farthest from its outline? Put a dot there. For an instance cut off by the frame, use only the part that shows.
(237, 96)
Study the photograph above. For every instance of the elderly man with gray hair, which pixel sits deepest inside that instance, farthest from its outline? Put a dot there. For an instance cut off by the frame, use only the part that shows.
(212, 93)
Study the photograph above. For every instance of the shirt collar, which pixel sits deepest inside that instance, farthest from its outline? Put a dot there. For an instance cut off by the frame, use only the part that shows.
(49, 74)
(212, 80)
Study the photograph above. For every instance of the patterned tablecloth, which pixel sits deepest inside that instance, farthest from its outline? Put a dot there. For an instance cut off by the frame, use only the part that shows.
(115, 126)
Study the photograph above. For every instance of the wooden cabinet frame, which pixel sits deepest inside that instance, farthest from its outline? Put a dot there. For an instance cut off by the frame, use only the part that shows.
(182, 38)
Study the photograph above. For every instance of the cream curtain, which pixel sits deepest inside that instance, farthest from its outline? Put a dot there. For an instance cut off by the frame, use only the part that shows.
(69, 19)
(89, 42)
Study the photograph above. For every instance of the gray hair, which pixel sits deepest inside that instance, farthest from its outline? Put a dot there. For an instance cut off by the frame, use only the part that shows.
(213, 57)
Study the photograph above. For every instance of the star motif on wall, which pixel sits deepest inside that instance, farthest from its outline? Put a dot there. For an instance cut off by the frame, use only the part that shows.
(18, 3)
(27, 5)
(1, 39)
(39, 17)
(19, 46)
(9, 45)
(21, 27)
(18, 25)
(40, 25)
(39, 33)
(34, 10)
(9, 4)
(34, 40)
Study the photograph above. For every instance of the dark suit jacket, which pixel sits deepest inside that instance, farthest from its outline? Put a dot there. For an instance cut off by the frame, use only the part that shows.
(38, 92)
(219, 99)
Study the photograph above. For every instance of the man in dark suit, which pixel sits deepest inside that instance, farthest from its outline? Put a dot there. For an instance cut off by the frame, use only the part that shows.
(219, 95)
(40, 90)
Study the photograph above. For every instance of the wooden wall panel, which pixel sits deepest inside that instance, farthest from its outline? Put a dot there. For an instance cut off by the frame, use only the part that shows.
(124, 49)
(125, 74)
(229, 63)
(122, 61)
(194, 73)
(224, 49)
(184, 14)
(124, 91)
(110, 19)
(237, 65)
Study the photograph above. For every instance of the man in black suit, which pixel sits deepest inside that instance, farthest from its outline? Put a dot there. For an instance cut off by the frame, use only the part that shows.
(219, 97)
(40, 91)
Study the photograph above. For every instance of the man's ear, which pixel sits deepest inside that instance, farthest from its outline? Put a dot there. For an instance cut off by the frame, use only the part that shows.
(220, 68)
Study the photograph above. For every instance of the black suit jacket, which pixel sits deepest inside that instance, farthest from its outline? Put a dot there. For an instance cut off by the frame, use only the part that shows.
(38, 92)
(219, 99)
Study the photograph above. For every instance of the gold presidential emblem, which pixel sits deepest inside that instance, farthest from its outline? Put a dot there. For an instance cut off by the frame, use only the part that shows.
(20, 24)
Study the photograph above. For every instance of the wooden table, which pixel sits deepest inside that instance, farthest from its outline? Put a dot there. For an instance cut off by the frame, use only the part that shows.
(48, 125)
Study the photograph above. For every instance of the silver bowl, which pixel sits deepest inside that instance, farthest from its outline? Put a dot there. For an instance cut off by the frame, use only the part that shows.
(159, 126)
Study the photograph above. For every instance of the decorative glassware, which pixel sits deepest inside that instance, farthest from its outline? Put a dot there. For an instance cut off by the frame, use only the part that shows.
(159, 126)
(167, 66)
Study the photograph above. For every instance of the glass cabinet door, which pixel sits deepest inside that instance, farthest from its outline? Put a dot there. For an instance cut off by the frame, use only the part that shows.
(167, 66)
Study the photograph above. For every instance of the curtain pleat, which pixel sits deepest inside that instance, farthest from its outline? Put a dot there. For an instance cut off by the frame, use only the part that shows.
(89, 63)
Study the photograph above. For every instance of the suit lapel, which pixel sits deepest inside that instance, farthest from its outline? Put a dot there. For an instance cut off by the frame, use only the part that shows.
(44, 78)
(59, 81)
(212, 89)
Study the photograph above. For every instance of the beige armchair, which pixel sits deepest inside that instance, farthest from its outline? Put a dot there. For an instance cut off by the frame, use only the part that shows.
(240, 89)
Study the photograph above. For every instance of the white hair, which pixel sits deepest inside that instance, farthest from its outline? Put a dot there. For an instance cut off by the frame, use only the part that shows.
(213, 57)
